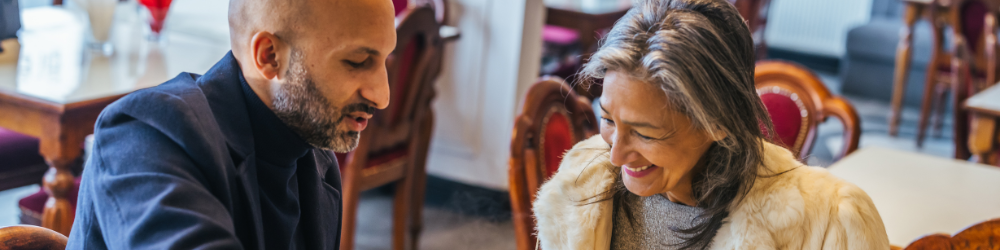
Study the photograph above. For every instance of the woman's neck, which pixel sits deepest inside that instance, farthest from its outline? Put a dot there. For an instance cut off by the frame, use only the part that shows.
(683, 193)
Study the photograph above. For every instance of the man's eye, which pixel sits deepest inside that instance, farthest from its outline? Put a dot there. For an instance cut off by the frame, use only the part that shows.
(356, 65)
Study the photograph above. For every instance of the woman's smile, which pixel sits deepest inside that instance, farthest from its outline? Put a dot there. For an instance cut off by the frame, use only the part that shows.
(639, 172)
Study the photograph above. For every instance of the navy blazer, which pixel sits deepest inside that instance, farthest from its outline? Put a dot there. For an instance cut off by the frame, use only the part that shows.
(173, 168)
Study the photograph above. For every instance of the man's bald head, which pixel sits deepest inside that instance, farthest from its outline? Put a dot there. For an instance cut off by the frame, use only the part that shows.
(318, 64)
(281, 17)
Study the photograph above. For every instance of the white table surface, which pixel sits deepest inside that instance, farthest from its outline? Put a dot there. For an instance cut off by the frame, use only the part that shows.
(50, 61)
(919, 194)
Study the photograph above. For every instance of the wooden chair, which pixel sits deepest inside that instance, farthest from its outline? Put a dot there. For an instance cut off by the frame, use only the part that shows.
(960, 70)
(394, 147)
(755, 13)
(554, 119)
(984, 235)
(797, 102)
(23, 237)
(974, 61)
(982, 140)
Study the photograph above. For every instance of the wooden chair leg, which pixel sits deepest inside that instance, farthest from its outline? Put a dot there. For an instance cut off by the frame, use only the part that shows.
(350, 215)
(939, 105)
(904, 51)
(400, 205)
(420, 183)
(960, 124)
(925, 107)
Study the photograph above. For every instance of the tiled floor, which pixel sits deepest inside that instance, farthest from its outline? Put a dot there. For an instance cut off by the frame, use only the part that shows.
(447, 227)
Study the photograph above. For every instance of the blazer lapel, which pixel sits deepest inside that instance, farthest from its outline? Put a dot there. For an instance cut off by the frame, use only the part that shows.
(320, 203)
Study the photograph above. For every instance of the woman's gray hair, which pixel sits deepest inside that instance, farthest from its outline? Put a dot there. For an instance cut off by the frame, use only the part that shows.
(701, 54)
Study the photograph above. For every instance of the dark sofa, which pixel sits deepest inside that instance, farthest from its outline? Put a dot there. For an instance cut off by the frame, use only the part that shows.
(867, 67)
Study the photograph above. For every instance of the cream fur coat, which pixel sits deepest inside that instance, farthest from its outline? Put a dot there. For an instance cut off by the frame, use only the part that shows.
(805, 208)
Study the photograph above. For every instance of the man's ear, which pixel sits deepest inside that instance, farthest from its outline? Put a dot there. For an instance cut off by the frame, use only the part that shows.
(267, 54)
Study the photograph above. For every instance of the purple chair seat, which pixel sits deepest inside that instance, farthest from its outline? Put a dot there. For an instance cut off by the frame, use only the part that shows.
(20, 162)
(33, 205)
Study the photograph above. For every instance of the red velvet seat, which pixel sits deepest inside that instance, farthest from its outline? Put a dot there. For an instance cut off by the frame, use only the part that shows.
(33, 205)
(797, 101)
(554, 119)
(788, 115)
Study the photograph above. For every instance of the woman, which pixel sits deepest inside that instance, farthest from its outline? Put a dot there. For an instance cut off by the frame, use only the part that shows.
(681, 162)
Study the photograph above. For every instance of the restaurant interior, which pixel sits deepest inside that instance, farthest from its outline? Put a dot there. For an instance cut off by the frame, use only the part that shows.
(894, 96)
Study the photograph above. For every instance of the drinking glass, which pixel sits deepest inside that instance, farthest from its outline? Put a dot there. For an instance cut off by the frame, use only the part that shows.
(158, 12)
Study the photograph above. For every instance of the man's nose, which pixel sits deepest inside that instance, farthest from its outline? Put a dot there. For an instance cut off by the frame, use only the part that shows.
(377, 90)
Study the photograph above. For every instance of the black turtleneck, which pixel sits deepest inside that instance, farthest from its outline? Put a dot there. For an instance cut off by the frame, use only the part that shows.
(279, 153)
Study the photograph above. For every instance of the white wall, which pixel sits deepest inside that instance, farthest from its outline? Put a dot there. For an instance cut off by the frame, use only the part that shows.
(484, 76)
(815, 26)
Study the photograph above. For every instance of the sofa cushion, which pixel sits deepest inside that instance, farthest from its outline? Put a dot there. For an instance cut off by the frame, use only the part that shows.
(18, 151)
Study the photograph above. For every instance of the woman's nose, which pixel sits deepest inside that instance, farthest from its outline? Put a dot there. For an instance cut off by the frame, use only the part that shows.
(621, 152)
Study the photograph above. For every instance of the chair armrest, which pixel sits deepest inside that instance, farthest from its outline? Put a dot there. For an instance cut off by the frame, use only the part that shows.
(842, 109)
(31, 238)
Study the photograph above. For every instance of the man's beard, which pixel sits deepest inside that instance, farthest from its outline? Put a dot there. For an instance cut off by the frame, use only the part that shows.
(307, 112)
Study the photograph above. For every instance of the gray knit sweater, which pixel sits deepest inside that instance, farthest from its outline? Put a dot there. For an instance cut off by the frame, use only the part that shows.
(654, 216)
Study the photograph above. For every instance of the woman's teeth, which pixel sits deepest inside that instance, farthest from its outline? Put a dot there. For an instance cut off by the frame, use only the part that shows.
(638, 169)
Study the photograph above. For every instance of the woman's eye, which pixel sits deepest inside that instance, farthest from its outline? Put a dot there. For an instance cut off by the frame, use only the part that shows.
(642, 136)
(609, 121)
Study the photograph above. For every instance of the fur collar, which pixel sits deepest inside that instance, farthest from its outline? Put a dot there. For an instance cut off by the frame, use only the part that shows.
(804, 208)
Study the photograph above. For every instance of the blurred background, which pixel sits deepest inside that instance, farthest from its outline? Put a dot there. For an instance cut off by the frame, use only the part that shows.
(909, 72)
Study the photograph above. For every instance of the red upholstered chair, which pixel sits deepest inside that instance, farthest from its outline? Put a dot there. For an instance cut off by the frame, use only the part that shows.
(983, 235)
(554, 119)
(393, 149)
(974, 63)
(961, 70)
(797, 102)
(22, 237)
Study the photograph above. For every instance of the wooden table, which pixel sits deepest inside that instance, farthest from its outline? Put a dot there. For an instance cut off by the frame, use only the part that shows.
(984, 108)
(918, 194)
(53, 87)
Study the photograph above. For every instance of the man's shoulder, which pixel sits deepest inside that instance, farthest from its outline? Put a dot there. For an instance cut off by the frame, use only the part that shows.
(180, 99)
(180, 88)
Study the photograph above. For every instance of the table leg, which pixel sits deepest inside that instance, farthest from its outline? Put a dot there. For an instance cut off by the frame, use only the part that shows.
(903, 57)
(981, 136)
(61, 146)
(58, 183)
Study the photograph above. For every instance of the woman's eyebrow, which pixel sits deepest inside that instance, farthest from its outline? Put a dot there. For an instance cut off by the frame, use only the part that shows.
(631, 123)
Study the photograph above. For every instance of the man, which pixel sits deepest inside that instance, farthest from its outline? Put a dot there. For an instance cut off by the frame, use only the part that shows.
(238, 158)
